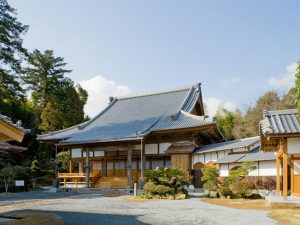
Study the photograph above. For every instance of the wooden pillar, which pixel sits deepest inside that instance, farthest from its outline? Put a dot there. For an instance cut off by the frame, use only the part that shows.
(70, 167)
(129, 166)
(104, 165)
(278, 176)
(87, 168)
(143, 158)
(80, 166)
(292, 175)
(285, 169)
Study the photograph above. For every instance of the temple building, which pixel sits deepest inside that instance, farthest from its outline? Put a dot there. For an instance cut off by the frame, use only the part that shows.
(134, 134)
(280, 133)
(10, 132)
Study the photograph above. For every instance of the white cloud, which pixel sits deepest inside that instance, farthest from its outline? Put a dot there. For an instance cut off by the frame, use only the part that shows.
(99, 90)
(286, 80)
(213, 104)
(230, 81)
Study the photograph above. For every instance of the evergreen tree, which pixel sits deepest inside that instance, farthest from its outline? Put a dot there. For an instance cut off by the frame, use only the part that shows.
(297, 88)
(43, 76)
(11, 51)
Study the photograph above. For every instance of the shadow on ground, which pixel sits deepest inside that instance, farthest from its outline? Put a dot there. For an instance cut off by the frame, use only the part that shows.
(34, 195)
(79, 218)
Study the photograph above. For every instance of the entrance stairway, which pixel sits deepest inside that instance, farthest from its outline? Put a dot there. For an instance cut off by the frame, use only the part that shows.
(110, 182)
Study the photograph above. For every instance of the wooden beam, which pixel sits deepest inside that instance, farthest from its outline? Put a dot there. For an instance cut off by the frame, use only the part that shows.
(10, 132)
(278, 176)
(285, 168)
(143, 158)
(129, 167)
(292, 174)
(87, 168)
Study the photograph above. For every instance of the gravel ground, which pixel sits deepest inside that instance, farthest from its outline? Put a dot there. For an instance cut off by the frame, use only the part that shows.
(90, 209)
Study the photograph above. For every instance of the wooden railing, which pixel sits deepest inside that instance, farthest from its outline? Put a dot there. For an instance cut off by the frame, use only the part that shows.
(70, 175)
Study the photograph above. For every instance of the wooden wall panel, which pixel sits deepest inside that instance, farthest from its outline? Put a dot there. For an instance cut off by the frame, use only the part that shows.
(182, 161)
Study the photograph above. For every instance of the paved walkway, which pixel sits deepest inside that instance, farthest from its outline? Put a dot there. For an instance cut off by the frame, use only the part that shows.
(90, 209)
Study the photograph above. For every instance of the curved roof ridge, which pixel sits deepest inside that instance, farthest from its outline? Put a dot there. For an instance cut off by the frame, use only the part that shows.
(63, 130)
(158, 92)
(202, 118)
(281, 112)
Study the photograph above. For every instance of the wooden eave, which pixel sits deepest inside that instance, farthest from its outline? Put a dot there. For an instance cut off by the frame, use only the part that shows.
(10, 133)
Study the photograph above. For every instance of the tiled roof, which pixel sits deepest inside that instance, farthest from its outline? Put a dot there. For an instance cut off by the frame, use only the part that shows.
(241, 143)
(230, 158)
(258, 155)
(6, 147)
(280, 122)
(18, 125)
(136, 116)
(254, 155)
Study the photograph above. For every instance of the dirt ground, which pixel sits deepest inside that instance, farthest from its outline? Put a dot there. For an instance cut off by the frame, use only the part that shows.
(283, 216)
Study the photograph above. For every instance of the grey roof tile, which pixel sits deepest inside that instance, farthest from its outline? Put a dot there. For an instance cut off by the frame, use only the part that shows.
(241, 143)
(17, 125)
(135, 116)
(280, 122)
(230, 158)
(254, 155)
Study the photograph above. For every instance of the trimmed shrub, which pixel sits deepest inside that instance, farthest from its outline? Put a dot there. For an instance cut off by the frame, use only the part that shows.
(225, 191)
(165, 181)
(210, 178)
(242, 189)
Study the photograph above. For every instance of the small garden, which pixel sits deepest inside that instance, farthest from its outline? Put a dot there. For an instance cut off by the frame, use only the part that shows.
(233, 186)
(166, 183)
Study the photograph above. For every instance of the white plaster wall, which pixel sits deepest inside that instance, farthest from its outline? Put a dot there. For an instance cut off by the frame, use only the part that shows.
(76, 153)
(208, 157)
(221, 154)
(256, 171)
(99, 153)
(163, 147)
(91, 154)
(267, 168)
(214, 156)
(151, 149)
(223, 170)
(297, 167)
(293, 145)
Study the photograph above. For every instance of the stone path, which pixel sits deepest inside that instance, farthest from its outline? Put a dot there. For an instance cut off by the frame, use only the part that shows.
(90, 209)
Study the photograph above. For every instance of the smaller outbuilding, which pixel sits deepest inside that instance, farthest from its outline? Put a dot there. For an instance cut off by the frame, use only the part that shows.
(210, 154)
(10, 132)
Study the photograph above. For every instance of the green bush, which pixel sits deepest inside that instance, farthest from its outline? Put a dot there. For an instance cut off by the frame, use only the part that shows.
(234, 185)
(63, 161)
(210, 178)
(225, 191)
(165, 181)
(242, 189)
(163, 190)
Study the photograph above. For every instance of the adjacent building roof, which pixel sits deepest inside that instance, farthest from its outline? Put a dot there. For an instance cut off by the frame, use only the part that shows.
(133, 117)
(9, 121)
(254, 155)
(280, 122)
(241, 143)
(6, 147)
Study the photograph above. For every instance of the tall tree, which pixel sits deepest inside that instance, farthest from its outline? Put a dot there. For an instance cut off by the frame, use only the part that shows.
(43, 76)
(12, 51)
(225, 121)
(297, 88)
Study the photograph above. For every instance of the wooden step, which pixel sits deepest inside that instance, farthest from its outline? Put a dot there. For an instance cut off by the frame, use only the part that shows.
(111, 182)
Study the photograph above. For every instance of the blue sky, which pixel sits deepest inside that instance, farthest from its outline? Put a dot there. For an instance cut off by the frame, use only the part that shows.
(236, 49)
